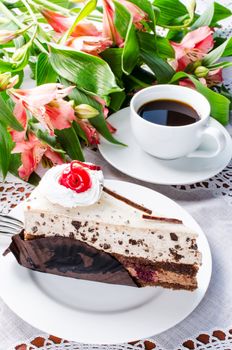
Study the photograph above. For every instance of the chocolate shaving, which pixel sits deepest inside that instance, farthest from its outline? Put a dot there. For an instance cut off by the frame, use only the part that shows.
(157, 218)
(127, 201)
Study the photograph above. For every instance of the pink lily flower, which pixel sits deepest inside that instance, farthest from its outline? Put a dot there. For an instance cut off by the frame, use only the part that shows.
(109, 29)
(193, 47)
(61, 24)
(92, 45)
(32, 151)
(46, 104)
(90, 132)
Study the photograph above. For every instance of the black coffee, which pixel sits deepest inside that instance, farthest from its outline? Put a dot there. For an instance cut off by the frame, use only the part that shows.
(168, 112)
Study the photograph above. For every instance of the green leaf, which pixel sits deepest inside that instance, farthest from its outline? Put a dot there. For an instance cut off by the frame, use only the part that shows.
(205, 18)
(113, 57)
(220, 65)
(7, 117)
(214, 13)
(70, 143)
(170, 10)
(98, 122)
(117, 100)
(125, 26)
(6, 146)
(90, 73)
(80, 133)
(220, 105)
(44, 71)
(220, 12)
(162, 70)
(214, 55)
(164, 48)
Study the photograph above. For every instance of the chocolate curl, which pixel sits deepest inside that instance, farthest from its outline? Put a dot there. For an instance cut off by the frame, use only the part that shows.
(68, 257)
(162, 219)
(127, 201)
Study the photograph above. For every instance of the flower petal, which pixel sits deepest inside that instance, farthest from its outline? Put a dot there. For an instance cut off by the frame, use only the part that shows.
(53, 156)
(58, 22)
(89, 44)
(196, 37)
(90, 132)
(60, 114)
(109, 28)
(40, 95)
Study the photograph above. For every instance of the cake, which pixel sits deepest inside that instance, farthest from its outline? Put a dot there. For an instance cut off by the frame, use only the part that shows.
(76, 227)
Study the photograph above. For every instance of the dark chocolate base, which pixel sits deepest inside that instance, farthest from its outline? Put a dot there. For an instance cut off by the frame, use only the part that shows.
(70, 258)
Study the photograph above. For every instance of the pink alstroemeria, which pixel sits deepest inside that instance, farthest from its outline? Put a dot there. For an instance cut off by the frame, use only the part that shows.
(61, 24)
(46, 104)
(109, 28)
(214, 77)
(193, 47)
(32, 151)
(21, 115)
(90, 132)
(92, 45)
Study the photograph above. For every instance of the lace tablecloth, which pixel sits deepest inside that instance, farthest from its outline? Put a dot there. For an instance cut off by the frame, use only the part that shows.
(210, 203)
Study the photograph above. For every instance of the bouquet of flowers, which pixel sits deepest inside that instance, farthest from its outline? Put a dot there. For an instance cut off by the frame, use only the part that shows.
(87, 60)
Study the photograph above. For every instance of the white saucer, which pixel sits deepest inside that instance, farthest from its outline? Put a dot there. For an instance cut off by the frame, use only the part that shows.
(101, 313)
(133, 161)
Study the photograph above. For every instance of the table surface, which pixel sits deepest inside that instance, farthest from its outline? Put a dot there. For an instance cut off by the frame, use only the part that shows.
(210, 203)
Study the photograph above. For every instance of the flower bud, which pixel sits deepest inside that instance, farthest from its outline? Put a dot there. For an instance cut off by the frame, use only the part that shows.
(7, 82)
(20, 53)
(6, 35)
(201, 71)
(85, 111)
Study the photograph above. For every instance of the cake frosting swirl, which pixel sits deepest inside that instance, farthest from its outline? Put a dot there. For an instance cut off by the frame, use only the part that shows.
(73, 185)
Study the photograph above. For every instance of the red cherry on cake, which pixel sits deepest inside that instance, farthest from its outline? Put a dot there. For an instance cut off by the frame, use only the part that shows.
(76, 177)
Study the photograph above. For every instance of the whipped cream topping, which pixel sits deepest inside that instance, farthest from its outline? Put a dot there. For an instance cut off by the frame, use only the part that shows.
(58, 194)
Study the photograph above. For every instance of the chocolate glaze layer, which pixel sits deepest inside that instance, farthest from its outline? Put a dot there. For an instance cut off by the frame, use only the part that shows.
(68, 257)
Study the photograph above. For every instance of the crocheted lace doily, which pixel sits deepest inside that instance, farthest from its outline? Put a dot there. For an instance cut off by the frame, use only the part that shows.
(214, 340)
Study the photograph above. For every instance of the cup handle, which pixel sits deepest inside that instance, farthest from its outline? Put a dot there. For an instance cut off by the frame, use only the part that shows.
(219, 139)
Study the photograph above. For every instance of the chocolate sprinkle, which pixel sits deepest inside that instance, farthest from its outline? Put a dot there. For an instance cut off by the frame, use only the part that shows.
(173, 236)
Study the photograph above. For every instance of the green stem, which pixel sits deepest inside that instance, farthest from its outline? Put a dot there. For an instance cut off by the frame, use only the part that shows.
(14, 19)
(10, 15)
(28, 7)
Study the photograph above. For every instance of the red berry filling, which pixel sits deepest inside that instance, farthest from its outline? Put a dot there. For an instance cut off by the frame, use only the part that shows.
(76, 177)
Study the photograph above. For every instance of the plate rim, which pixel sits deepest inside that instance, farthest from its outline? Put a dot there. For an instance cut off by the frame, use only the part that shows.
(160, 182)
(209, 268)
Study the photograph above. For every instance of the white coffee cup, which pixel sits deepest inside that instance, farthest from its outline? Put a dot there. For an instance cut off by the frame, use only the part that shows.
(170, 142)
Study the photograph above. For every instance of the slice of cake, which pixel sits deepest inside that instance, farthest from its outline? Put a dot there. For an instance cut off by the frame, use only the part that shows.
(69, 208)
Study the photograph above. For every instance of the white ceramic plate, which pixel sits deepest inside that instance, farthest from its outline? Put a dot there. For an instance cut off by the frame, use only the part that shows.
(133, 161)
(92, 312)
